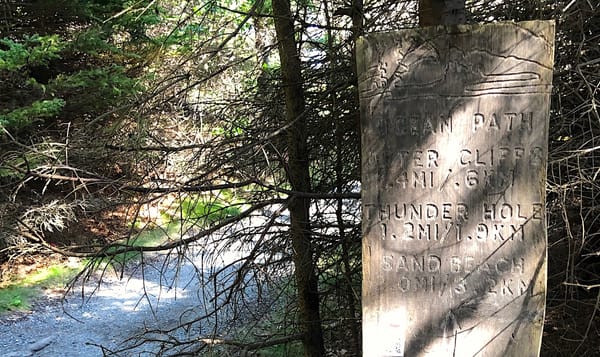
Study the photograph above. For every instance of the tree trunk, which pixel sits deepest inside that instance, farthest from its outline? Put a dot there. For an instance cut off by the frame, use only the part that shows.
(298, 175)
(441, 12)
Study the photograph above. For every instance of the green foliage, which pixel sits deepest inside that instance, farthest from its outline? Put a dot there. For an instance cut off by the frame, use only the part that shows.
(146, 238)
(14, 57)
(19, 294)
(111, 84)
(16, 297)
(183, 38)
(236, 127)
(132, 17)
(35, 50)
(44, 48)
(196, 209)
(74, 76)
(50, 277)
(94, 41)
(25, 116)
(87, 90)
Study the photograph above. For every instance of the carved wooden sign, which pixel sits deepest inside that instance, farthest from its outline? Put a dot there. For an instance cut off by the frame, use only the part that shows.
(454, 130)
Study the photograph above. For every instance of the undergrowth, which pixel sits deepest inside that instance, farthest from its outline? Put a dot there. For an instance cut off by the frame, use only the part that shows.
(19, 293)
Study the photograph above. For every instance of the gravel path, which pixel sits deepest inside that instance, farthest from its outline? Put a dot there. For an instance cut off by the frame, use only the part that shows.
(117, 310)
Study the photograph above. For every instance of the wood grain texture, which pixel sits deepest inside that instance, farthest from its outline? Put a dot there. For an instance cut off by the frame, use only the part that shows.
(454, 146)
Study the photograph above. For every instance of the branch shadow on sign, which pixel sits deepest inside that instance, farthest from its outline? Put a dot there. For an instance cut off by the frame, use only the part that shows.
(454, 163)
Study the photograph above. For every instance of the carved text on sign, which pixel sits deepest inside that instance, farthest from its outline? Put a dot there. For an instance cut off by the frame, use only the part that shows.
(454, 128)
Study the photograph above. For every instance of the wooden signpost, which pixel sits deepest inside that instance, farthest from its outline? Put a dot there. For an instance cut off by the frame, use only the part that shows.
(454, 130)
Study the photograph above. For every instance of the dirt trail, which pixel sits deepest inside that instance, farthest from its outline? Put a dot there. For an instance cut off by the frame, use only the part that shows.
(157, 297)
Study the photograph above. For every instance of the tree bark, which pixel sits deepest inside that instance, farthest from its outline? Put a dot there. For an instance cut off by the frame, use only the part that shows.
(299, 178)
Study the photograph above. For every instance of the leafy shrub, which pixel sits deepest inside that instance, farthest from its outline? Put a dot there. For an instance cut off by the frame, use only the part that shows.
(206, 211)
(35, 50)
(94, 41)
(98, 86)
(25, 116)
